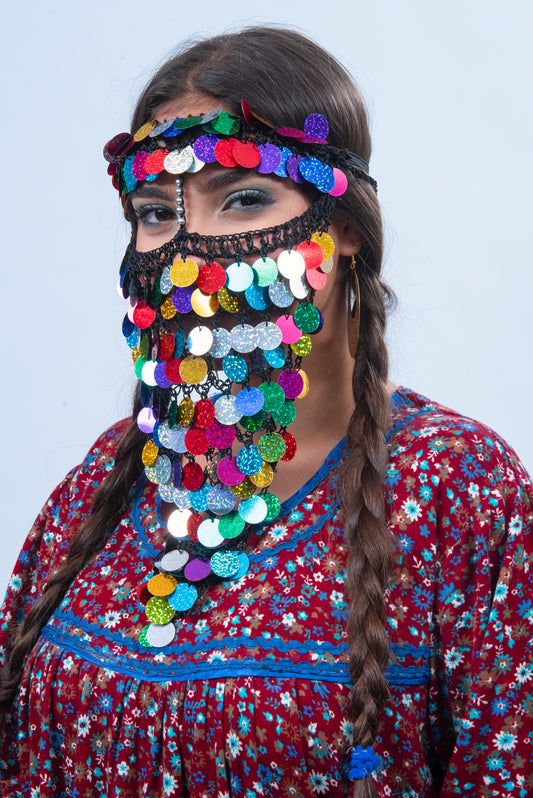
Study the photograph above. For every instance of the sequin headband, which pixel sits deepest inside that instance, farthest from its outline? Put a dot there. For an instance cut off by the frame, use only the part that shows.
(186, 144)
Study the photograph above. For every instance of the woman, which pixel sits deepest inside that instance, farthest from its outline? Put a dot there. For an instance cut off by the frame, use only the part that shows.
(189, 590)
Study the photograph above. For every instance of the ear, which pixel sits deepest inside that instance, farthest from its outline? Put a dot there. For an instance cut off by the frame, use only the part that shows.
(348, 239)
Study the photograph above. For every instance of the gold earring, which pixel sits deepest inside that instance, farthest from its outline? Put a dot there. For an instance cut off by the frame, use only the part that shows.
(354, 312)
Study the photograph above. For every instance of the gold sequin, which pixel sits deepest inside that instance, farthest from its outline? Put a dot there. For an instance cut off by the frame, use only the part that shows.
(204, 305)
(305, 389)
(185, 411)
(135, 353)
(325, 242)
(162, 585)
(327, 266)
(183, 272)
(303, 346)
(264, 476)
(193, 370)
(168, 311)
(150, 452)
(145, 130)
(244, 490)
(228, 301)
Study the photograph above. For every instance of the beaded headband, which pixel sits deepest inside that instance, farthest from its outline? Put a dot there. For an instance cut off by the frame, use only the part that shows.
(218, 348)
(184, 145)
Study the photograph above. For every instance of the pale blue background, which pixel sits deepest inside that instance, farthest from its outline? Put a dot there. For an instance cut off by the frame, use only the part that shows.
(449, 91)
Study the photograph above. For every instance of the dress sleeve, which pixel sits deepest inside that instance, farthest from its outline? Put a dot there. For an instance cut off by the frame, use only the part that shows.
(481, 700)
(42, 551)
(48, 542)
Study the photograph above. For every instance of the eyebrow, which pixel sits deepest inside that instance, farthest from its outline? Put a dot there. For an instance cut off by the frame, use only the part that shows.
(146, 191)
(227, 178)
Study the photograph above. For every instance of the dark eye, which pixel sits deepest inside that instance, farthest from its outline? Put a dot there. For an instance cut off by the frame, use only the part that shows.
(153, 215)
(247, 199)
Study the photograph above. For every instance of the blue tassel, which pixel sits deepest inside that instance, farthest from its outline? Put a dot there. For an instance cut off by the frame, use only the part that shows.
(362, 762)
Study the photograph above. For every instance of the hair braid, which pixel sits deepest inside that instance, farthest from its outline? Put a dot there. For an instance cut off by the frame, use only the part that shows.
(369, 539)
(108, 505)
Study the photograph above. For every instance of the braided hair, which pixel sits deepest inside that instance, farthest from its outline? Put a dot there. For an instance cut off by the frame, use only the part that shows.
(275, 70)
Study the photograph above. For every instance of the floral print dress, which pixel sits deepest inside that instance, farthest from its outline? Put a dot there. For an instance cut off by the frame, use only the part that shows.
(248, 699)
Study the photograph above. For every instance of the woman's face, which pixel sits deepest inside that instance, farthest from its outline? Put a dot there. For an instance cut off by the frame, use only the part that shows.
(218, 201)
(222, 201)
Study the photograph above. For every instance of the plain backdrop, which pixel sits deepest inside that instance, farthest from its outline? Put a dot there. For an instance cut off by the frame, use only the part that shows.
(448, 87)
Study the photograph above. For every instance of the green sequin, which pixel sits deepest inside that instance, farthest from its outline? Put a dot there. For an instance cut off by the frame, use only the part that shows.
(285, 415)
(157, 293)
(231, 525)
(144, 347)
(271, 447)
(172, 413)
(253, 423)
(158, 610)
(139, 363)
(273, 504)
(142, 637)
(307, 317)
(224, 123)
(274, 396)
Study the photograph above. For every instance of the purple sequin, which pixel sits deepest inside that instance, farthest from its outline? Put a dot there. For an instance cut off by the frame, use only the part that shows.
(160, 376)
(181, 299)
(293, 164)
(204, 148)
(271, 158)
(176, 473)
(197, 570)
(292, 383)
(316, 128)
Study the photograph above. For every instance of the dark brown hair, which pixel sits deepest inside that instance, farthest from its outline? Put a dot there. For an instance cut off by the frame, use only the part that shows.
(284, 77)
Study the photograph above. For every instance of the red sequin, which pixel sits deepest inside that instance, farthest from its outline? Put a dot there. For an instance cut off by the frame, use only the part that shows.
(246, 154)
(204, 413)
(117, 146)
(290, 446)
(192, 476)
(223, 152)
(172, 370)
(211, 278)
(312, 253)
(193, 522)
(166, 347)
(195, 441)
(143, 594)
(154, 163)
(143, 315)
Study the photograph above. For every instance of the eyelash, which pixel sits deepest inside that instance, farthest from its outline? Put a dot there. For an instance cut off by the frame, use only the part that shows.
(141, 214)
(250, 198)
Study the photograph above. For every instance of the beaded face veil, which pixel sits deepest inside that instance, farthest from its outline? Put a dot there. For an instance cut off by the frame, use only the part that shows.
(219, 327)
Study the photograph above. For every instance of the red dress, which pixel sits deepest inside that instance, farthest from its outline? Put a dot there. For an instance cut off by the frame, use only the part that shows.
(248, 699)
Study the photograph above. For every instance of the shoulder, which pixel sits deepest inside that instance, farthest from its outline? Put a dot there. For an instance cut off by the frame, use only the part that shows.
(101, 455)
(425, 431)
(451, 477)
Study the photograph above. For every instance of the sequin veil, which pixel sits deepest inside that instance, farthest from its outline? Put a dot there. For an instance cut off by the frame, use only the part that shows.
(219, 327)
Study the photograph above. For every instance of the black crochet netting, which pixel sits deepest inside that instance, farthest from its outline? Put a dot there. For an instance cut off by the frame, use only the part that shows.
(140, 273)
(333, 156)
(137, 265)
